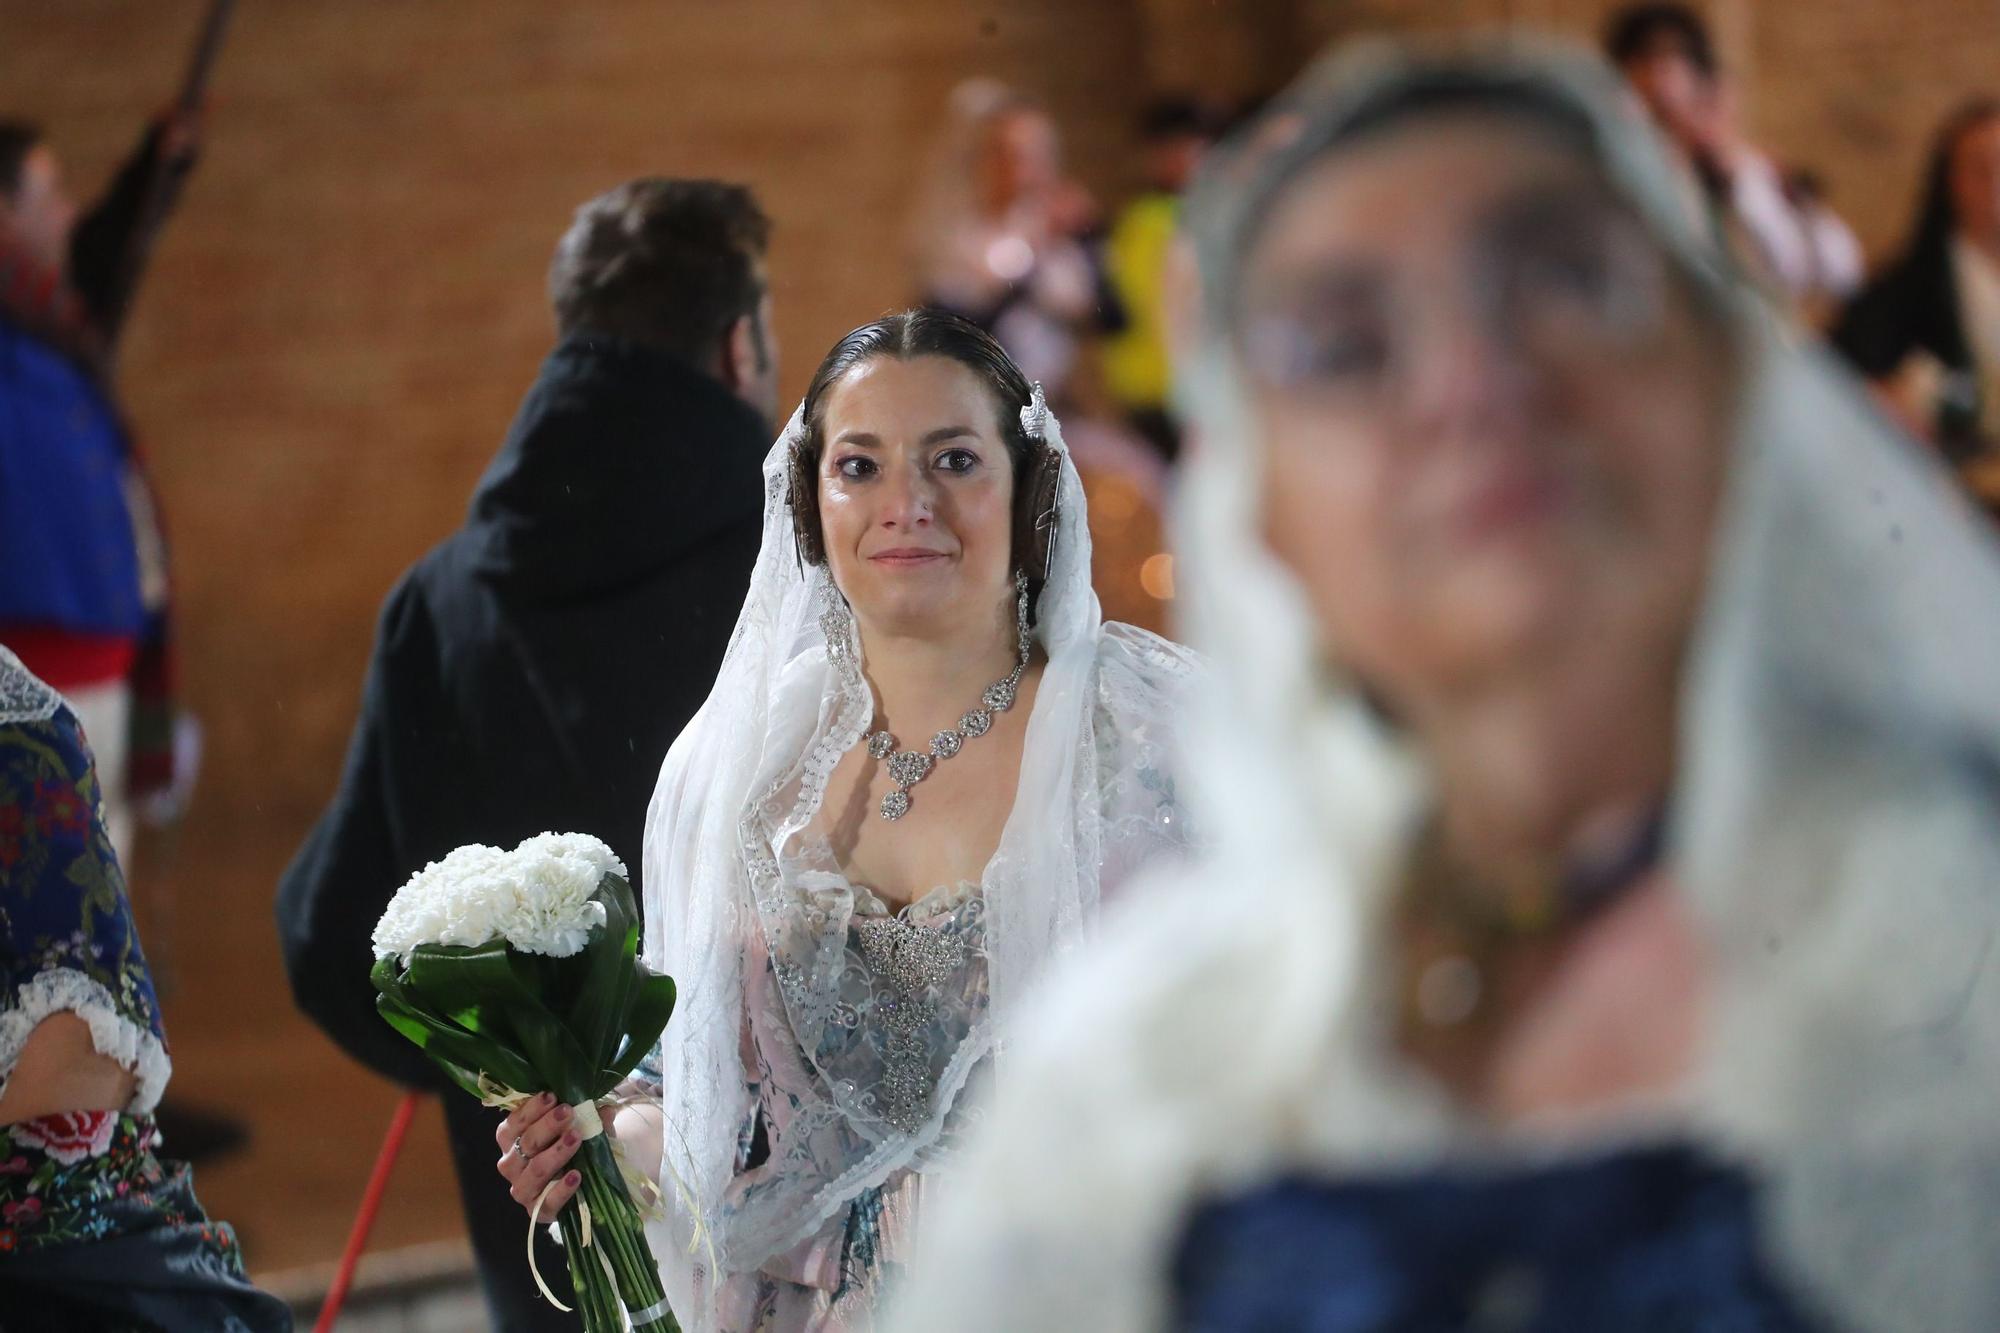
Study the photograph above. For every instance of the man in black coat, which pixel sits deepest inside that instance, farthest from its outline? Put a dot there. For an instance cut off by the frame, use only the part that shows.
(531, 671)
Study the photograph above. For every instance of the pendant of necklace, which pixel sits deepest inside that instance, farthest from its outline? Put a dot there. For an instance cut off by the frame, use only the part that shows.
(909, 767)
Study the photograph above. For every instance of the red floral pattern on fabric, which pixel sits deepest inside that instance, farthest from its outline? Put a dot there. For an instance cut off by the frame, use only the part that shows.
(11, 825)
(68, 1137)
(60, 810)
(62, 1177)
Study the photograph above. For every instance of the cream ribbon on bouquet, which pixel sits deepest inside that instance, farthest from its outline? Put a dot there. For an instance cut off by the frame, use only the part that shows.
(590, 1124)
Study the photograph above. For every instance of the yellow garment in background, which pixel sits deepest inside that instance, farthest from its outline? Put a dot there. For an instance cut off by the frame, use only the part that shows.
(1135, 359)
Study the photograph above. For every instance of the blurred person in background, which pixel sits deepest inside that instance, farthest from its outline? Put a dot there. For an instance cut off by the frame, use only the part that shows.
(1603, 749)
(1008, 241)
(96, 1232)
(530, 672)
(1005, 238)
(1840, 265)
(1927, 331)
(1011, 243)
(1668, 57)
(1175, 132)
(83, 572)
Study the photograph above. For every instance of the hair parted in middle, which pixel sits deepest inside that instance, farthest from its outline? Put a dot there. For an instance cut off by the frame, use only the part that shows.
(904, 336)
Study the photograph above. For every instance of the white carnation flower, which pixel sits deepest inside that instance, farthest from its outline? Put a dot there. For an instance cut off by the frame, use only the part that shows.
(550, 909)
(537, 897)
(431, 907)
(578, 847)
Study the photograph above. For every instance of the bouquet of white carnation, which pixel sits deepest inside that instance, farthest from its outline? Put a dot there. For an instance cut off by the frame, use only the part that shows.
(519, 972)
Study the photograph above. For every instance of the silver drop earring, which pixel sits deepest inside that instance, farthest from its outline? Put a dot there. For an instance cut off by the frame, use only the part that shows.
(836, 622)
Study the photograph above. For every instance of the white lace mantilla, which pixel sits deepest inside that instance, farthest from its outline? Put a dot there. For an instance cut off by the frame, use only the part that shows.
(116, 1037)
(23, 697)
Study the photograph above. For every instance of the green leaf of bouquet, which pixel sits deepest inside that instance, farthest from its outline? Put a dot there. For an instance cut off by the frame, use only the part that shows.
(646, 1014)
(416, 1032)
(386, 976)
(457, 977)
(458, 1052)
(443, 1002)
(545, 1038)
(597, 1020)
(504, 988)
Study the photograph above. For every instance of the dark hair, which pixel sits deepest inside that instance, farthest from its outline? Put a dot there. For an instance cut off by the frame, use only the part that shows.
(1179, 117)
(926, 332)
(18, 138)
(1642, 29)
(1937, 215)
(670, 263)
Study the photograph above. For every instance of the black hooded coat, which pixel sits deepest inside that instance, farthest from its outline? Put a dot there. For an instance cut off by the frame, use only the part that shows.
(529, 674)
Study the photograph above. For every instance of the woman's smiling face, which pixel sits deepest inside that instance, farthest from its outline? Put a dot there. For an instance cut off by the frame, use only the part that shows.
(916, 491)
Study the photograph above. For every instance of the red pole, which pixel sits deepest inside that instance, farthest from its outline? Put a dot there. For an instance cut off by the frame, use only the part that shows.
(371, 1203)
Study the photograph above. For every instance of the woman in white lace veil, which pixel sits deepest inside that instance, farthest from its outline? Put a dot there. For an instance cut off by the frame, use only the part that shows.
(1251, 1051)
(826, 1047)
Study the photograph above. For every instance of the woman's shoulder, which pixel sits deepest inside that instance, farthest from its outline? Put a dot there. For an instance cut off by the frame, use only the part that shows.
(1140, 696)
(1131, 652)
(24, 697)
(1141, 677)
(46, 752)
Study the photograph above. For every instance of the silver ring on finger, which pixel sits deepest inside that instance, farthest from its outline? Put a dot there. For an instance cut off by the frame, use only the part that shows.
(517, 1150)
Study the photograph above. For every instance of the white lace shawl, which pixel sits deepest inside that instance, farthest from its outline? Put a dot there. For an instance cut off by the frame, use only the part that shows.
(24, 699)
(1837, 829)
(1096, 797)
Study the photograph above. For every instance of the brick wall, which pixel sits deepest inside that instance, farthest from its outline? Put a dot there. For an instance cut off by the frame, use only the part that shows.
(349, 303)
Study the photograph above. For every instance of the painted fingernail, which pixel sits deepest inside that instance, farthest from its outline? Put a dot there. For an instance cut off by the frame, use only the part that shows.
(546, 1098)
(573, 1179)
(562, 1113)
(569, 1140)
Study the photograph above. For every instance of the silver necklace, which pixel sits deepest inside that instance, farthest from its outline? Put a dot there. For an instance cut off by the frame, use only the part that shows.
(909, 767)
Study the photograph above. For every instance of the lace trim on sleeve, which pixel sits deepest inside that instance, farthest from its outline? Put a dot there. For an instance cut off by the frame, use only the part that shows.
(23, 697)
(116, 1036)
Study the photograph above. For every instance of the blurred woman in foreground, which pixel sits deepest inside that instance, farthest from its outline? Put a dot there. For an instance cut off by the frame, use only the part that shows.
(1604, 749)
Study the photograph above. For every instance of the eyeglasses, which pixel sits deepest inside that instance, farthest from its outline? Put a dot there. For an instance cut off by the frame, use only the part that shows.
(1551, 280)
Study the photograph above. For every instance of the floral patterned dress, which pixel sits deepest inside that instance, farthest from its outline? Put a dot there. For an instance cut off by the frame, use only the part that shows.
(96, 1232)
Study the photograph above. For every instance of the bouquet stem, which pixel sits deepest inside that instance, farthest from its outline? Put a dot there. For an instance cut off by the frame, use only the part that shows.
(617, 1240)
